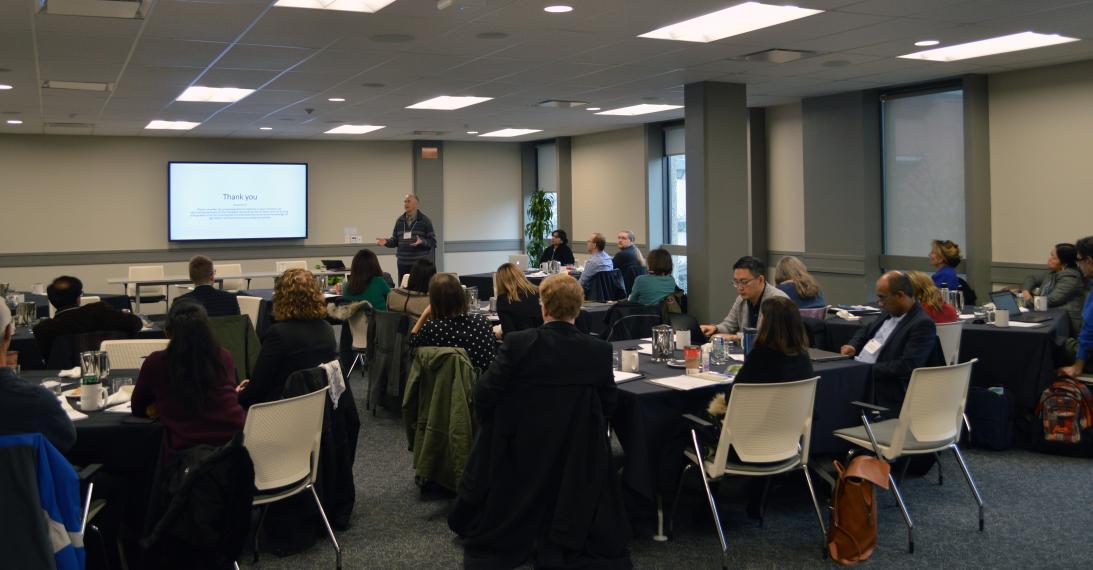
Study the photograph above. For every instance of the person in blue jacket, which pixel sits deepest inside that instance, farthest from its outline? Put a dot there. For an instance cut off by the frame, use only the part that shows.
(945, 256)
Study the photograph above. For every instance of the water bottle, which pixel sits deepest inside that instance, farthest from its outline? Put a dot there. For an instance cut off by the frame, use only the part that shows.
(749, 339)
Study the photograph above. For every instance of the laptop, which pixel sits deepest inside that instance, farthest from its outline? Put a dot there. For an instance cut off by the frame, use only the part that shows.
(817, 355)
(1005, 300)
(520, 261)
(333, 264)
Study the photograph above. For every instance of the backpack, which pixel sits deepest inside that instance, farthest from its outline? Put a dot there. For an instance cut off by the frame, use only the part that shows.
(852, 533)
(1065, 412)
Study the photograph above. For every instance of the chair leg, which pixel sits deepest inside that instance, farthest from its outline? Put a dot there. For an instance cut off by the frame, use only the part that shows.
(940, 473)
(763, 501)
(329, 531)
(816, 507)
(971, 484)
(258, 530)
(675, 502)
(713, 504)
(356, 359)
(906, 515)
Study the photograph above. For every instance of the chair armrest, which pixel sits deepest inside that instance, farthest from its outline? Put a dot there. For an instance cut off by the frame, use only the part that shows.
(708, 433)
(699, 422)
(870, 407)
(89, 471)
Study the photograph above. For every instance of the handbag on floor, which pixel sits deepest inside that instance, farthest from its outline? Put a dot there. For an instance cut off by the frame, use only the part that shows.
(989, 415)
(852, 534)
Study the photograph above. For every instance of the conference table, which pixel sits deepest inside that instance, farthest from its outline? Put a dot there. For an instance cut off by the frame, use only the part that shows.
(30, 358)
(648, 421)
(125, 282)
(484, 281)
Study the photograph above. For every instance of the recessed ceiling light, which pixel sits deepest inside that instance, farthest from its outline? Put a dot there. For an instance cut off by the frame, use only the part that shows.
(77, 85)
(448, 103)
(171, 125)
(367, 6)
(731, 21)
(472, 132)
(558, 9)
(336, 99)
(353, 129)
(510, 132)
(639, 110)
(927, 43)
(593, 109)
(213, 94)
(14, 122)
(990, 46)
(265, 128)
(5, 87)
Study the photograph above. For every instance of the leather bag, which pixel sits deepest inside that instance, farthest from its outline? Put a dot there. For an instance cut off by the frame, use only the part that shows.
(852, 534)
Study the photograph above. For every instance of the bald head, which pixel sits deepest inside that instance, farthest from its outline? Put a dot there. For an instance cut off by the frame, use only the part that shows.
(895, 293)
(409, 203)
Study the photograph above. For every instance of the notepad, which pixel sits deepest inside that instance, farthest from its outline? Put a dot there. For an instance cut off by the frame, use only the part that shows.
(126, 408)
(1021, 325)
(684, 382)
(621, 376)
(645, 348)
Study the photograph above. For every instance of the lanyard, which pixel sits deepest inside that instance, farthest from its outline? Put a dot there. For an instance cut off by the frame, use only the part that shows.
(412, 226)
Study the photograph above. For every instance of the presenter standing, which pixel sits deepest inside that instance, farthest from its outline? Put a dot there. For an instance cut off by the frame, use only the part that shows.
(413, 236)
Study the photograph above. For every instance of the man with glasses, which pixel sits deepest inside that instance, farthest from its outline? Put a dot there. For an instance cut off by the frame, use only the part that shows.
(598, 262)
(749, 277)
(1084, 357)
(904, 339)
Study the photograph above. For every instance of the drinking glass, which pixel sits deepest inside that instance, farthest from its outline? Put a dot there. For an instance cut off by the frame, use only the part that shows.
(122, 384)
(616, 360)
(104, 364)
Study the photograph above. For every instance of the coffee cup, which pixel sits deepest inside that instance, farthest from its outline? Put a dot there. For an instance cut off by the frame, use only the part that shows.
(1039, 303)
(39, 289)
(630, 360)
(1001, 318)
(92, 397)
(683, 338)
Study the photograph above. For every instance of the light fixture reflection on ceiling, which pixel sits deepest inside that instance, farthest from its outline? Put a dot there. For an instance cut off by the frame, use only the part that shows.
(558, 9)
(643, 109)
(202, 94)
(171, 125)
(448, 103)
(505, 133)
(353, 129)
(731, 21)
(366, 6)
(990, 46)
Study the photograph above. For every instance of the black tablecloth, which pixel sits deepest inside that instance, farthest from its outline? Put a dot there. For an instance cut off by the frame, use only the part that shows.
(41, 302)
(648, 422)
(30, 358)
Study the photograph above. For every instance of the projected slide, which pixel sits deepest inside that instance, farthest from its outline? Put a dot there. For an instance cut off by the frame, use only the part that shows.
(208, 201)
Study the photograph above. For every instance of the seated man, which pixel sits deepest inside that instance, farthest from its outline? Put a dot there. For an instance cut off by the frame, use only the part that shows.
(26, 407)
(1083, 362)
(64, 294)
(904, 339)
(217, 303)
(545, 419)
(599, 261)
(628, 254)
(749, 278)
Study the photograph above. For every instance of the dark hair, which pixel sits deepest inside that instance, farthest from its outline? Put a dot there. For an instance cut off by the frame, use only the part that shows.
(1067, 254)
(561, 235)
(421, 272)
(899, 282)
(201, 269)
(782, 328)
(446, 296)
(752, 264)
(1084, 246)
(65, 292)
(599, 241)
(660, 262)
(365, 266)
(193, 355)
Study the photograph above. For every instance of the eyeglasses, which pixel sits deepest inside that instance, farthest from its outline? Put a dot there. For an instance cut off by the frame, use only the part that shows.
(743, 283)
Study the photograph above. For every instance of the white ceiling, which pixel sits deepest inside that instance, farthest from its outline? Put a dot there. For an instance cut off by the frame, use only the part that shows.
(297, 59)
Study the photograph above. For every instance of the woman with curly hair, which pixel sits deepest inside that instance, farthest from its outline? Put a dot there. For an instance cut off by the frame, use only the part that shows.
(929, 296)
(945, 256)
(301, 337)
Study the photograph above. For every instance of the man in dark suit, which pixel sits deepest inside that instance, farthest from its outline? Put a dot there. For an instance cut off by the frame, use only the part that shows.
(544, 404)
(64, 294)
(217, 303)
(904, 339)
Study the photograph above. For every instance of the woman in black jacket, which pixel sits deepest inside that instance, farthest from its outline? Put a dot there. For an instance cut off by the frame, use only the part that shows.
(517, 300)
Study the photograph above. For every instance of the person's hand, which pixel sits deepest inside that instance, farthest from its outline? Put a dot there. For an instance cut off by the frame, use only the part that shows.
(1071, 371)
(1026, 295)
(242, 385)
(847, 350)
(151, 411)
(381, 241)
(731, 337)
(418, 242)
(708, 330)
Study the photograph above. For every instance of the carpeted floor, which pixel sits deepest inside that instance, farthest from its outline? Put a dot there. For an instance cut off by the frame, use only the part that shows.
(1039, 513)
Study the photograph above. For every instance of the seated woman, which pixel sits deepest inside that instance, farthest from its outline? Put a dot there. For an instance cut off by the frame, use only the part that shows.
(445, 322)
(301, 338)
(365, 282)
(517, 300)
(929, 297)
(190, 386)
(945, 256)
(792, 278)
(653, 287)
(558, 250)
(1063, 284)
(414, 298)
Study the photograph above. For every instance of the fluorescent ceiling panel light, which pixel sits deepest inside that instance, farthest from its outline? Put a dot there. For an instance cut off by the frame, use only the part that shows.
(643, 109)
(990, 46)
(593, 109)
(171, 125)
(5, 87)
(213, 94)
(510, 133)
(130, 9)
(448, 103)
(336, 99)
(472, 132)
(367, 6)
(558, 9)
(927, 43)
(732, 21)
(14, 122)
(353, 129)
(265, 128)
(78, 85)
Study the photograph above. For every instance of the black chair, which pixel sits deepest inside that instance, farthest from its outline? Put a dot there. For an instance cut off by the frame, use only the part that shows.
(818, 336)
(630, 273)
(628, 321)
(969, 293)
(684, 322)
(606, 286)
(66, 348)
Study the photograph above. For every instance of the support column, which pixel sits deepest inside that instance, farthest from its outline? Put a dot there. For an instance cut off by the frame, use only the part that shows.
(718, 228)
(429, 189)
(977, 183)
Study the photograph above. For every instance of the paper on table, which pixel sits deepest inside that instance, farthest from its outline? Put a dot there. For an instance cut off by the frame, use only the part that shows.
(73, 415)
(1021, 325)
(119, 398)
(966, 317)
(645, 348)
(684, 382)
(126, 408)
(737, 357)
(70, 373)
(621, 376)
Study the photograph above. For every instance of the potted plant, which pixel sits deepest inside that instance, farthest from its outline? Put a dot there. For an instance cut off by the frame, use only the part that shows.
(540, 213)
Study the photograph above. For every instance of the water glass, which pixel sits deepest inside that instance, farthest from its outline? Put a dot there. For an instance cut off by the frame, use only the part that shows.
(89, 364)
(663, 339)
(104, 364)
(719, 352)
(122, 384)
(616, 360)
(749, 335)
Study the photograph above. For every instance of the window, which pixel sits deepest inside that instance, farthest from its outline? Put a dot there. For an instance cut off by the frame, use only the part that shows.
(546, 171)
(923, 171)
(675, 162)
(679, 271)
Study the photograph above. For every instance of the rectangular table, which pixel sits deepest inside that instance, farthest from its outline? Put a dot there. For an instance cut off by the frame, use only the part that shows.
(185, 280)
(649, 424)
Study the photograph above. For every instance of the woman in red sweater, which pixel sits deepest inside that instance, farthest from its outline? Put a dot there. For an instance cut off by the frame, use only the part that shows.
(190, 387)
(929, 296)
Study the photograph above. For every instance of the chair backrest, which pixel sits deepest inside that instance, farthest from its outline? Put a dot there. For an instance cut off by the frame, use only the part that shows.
(250, 306)
(283, 266)
(814, 313)
(146, 272)
(225, 270)
(629, 274)
(126, 354)
(949, 335)
(767, 422)
(633, 326)
(933, 408)
(84, 300)
(606, 286)
(685, 322)
(282, 438)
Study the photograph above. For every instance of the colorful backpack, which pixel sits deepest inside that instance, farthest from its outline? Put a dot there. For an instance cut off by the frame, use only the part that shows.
(1065, 412)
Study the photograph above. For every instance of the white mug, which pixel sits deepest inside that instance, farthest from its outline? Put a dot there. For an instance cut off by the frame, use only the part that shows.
(1039, 303)
(1001, 318)
(629, 360)
(39, 289)
(92, 397)
(683, 338)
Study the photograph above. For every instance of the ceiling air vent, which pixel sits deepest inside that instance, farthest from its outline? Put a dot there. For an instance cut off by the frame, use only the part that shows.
(775, 55)
(429, 133)
(561, 104)
(69, 128)
(129, 9)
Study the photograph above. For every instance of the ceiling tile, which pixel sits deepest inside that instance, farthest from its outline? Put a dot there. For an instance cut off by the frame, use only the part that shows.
(184, 20)
(83, 48)
(182, 53)
(245, 56)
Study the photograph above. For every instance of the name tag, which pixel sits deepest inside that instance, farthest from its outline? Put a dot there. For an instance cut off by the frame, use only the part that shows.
(872, 346)
(406, 235)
